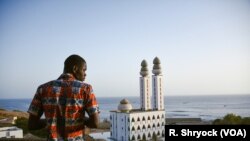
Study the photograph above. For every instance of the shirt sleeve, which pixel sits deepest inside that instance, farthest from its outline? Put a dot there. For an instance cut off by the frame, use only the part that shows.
(35, 107)
(92, 105)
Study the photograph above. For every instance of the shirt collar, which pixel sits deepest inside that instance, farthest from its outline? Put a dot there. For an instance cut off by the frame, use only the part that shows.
(67, 76)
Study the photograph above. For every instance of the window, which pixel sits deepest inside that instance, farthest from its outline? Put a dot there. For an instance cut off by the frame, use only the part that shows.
(133, 120)
(139, 137)
(138, 119)
(143, 119)
(144, 137)
(153, 125)
(133, 128)
(133, 137)
(149, 135)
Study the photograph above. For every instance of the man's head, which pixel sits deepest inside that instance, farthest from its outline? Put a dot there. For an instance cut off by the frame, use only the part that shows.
(77, 66)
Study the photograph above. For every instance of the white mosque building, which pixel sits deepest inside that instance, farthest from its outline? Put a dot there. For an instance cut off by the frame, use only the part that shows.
(148, 122)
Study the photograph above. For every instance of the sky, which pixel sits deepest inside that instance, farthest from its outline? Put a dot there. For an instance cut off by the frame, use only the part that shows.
(203, 45)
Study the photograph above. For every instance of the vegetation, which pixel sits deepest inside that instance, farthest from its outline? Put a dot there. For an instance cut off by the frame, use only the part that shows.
(23, 124)
(105, 124)
(42, 133)
(232, 119)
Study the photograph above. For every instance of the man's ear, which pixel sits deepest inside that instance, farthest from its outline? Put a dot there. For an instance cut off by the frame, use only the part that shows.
(75, 68)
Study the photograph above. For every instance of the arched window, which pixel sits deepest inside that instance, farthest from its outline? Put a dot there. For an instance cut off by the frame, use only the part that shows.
(144, 137)
(133, 128)
(143, 119)
(138, 119)
(128, 120)
(149, 135)
(133, 120)
(153, 125)
(158, 133)
(148, 117)
(153, 117)
(133, 137)
(138, 128)
(149, 126)
(143, 127)
(139, 137)
(154, 135)
(158, 117)
(158, 125)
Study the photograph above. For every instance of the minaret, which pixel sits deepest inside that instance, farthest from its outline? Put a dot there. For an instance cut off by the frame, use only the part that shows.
(145, 87)
(157, 86)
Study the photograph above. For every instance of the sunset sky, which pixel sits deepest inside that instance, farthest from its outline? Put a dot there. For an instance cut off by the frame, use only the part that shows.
(203, 45)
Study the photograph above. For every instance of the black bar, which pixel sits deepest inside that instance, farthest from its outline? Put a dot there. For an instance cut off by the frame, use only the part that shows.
(207, 132)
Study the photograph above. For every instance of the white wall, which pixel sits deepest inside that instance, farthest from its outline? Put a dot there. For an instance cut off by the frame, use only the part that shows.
(11, 132)
(145, 93)
(157, 92)
(137, 124)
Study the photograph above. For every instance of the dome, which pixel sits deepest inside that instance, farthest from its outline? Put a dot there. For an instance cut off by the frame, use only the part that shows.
(124, 106)
(124, 101)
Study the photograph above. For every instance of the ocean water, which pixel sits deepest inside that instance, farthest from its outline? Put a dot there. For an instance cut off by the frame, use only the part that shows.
(204, 107)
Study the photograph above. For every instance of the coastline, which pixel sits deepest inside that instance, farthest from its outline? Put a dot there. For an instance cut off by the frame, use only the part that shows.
(7, 119)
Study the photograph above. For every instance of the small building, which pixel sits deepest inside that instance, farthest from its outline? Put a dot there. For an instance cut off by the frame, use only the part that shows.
(11, 132)
(148, 122)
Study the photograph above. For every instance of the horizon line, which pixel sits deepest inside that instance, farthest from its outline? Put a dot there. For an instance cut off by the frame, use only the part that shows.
(164, 96)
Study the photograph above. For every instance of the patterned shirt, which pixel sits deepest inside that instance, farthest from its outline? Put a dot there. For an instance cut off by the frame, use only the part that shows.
(64, 102)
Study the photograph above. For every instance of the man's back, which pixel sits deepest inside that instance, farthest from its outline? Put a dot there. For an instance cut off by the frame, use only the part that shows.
(64, 102)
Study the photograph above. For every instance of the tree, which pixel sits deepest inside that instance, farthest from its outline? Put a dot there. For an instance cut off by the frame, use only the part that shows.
(232, 119)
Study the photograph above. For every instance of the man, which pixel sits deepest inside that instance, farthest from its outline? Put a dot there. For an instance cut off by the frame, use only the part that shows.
(64, 102)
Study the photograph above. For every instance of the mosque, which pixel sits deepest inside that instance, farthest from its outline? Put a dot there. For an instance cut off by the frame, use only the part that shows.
(148, 122)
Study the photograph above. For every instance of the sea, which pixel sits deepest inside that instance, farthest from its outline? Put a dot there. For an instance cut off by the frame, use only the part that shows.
(206, 107)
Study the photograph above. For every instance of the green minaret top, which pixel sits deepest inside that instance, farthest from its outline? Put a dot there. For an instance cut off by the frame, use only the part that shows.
(157, 67)
(144, 68)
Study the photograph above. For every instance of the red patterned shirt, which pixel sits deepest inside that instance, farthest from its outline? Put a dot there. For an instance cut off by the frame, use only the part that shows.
(64, 102)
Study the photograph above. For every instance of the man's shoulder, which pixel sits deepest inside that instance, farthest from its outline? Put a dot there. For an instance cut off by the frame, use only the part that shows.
(47, 84)
(78, 83)
(60, 83)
